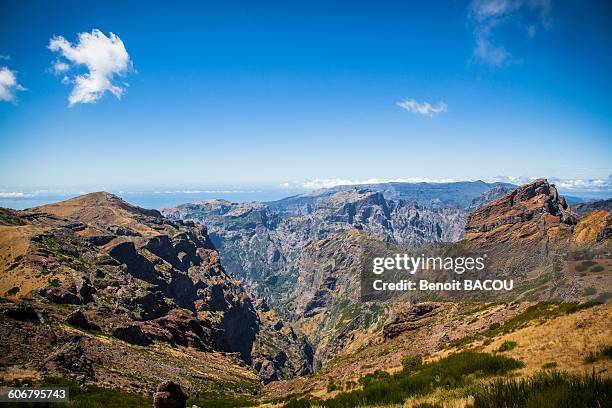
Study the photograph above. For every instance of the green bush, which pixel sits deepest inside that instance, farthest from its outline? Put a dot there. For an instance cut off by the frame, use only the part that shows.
(332, 386)
(494, 326)
(410, 363)
(550, 365)
(584, 265)
(548, 389)
(597, 268)
(456, 370)
(507, 346)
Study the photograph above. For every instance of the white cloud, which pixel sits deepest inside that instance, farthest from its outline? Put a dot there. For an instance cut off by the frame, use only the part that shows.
(578, 185)
(12, 194)
(104, 57)
(424, 108)
(60, 67)
(333, 182)
(488, 16)
(568, 185)
(8, 85)
(5, 57)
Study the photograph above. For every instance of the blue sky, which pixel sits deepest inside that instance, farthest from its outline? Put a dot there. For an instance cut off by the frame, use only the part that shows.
(218, 93)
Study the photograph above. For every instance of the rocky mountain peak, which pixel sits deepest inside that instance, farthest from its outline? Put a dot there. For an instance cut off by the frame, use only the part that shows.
(99, 206)
(532, 212)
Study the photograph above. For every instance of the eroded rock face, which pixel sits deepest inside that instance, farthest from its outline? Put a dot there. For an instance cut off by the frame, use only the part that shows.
(140, 277)
(71, 359)
(411, 318)
(531, 213)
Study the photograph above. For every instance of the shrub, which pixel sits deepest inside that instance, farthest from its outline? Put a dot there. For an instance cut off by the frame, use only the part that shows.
(380, 388)
(597, 268)
(584, 265)
(547, 389)
(494, 326)
(410, 363)
(332, 386)
(590, 291)
(12, 291)
(550, 365)
(507, 346)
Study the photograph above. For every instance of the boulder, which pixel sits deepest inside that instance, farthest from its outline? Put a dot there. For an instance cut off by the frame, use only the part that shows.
(78, 319)
(20, 311)
(132, 333)
(169, 395)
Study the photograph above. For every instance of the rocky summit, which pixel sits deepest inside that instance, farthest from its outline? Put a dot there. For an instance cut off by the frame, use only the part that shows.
(530, 213)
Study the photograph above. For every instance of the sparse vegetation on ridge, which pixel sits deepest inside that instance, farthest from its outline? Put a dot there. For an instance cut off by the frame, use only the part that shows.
(454, 371)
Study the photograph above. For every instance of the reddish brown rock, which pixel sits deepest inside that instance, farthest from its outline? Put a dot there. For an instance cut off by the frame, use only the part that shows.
(531, 213)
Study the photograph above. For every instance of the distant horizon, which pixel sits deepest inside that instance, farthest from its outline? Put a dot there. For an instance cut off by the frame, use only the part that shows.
(166, 196)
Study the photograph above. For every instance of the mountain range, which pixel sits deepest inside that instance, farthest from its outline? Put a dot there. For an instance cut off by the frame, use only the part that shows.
(229, 296)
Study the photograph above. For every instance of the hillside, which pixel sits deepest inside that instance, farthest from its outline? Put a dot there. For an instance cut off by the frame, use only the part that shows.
(98, 284)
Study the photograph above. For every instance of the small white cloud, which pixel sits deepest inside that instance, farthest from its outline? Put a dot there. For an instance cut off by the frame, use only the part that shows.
(12, 194)
(5, 57)
(60, 67)
(488, 16)
(9, 85)
(491, 54)
(422, 108)
(104, 57)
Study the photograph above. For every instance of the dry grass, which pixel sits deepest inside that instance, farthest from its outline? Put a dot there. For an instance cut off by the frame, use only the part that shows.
(14, 243)
(566, 341)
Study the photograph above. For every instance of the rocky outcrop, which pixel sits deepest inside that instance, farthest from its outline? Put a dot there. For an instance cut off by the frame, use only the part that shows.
(78, 319)
(71, 359)
(169, 395)
(531, 213)
(20, 311)
(411, 318)
(132, 333)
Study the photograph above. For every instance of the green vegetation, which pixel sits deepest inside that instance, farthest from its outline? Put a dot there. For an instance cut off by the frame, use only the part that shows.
(546, 389)
(411, 363)
(597, 268)
(507, 346)
(12, 291)
(590, 291)
(550, 365)
(539, 312)
(53, 283)
(213, 399)
(92, 397)
(454, 371)
(332, 386)
(584, 265)
(226, 393)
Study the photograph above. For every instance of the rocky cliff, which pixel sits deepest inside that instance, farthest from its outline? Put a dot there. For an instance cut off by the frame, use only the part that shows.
(99, 264)
(532, 212)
